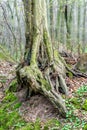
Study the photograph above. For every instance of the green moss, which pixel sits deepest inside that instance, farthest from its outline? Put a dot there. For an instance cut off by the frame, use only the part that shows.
(70, 75)
(50, 124)
(48, 45)
(33, 126)
(9, 117)
(76, 102)
(34, 73)
(85, 127)
(13, 86)
(2, 57)
(56, 54)
(17, 105)
(46, 85)
(84, 106)
(1, 128)
(10, 97)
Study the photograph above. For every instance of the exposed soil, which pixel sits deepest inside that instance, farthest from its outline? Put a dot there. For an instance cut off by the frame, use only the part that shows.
(38, 107)
(7, 73)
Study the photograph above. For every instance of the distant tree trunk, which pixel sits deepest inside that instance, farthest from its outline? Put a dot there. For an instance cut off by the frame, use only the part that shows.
(84, 28)
(42, 70)
(68, 19)
(78, 32)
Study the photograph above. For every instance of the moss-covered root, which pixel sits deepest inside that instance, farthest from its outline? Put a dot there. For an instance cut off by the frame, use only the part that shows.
(38, 83)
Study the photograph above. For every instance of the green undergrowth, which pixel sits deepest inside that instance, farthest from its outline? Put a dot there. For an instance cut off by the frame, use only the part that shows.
(75, 105)
(52, 124)
(82, 90)
(10, 118)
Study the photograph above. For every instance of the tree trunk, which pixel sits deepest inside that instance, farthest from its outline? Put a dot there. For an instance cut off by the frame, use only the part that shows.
(43, 70)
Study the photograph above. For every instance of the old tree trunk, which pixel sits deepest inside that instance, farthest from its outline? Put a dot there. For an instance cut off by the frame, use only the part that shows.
(43, 70)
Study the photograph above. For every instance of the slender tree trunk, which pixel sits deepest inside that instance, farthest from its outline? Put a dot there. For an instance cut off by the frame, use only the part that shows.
(84, 28)
(68, 19)
(43, 70)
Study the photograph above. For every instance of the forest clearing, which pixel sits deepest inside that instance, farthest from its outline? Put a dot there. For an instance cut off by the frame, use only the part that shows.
(43, 65)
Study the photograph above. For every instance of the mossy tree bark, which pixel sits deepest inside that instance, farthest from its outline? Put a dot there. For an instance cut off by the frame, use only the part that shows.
(43, 70)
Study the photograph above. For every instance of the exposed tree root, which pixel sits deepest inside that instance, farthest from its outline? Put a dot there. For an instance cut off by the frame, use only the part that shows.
(41, 56)
(78, 73)
(32, 78)
(74, 71)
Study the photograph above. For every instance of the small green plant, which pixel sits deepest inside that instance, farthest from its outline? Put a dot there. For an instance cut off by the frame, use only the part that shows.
(82, 90)
(67, 127)
(73, 121)
(84, 106)
(76, 102)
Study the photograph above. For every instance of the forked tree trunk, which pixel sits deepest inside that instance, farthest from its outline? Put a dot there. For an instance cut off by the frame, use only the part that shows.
(43, 70)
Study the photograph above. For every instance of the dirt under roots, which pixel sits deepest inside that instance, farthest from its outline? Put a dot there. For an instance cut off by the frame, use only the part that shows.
(36, 107)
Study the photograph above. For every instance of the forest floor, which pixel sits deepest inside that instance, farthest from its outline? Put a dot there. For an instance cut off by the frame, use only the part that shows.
(38, 109)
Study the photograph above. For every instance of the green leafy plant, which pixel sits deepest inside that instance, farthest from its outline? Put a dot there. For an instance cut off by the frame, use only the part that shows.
(73, 121)
(82, 90)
